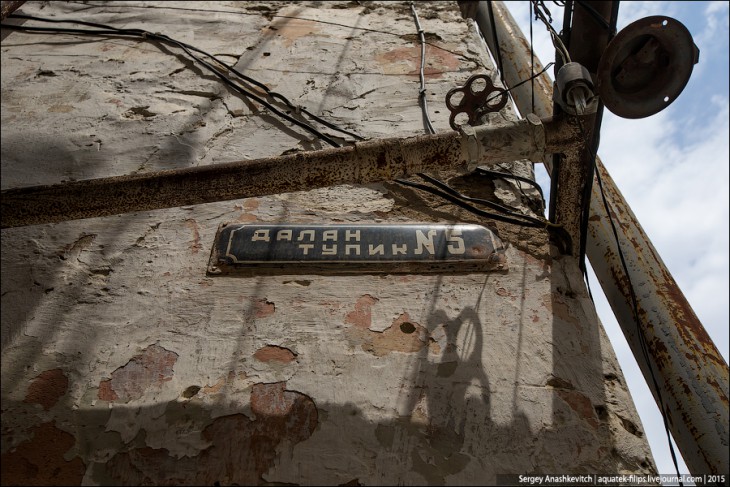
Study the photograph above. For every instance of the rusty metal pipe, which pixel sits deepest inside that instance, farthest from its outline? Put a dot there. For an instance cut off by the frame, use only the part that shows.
(365, 162)
(692, 374)
(8, 7)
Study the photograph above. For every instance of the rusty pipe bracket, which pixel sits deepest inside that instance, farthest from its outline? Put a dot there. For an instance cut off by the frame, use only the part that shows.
(539, 140)
(524, 139)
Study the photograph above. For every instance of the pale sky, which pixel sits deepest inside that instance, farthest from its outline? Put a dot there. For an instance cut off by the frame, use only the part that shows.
(672, 168)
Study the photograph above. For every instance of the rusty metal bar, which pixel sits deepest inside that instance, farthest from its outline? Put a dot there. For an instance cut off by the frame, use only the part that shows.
(365, 162)
(692, 374)
(573, 191)
(8, 7)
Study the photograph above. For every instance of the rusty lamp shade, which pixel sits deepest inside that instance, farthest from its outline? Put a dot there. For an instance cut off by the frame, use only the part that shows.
(646, 66)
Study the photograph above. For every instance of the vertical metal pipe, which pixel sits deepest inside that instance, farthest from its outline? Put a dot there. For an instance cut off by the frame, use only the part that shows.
(691, 373)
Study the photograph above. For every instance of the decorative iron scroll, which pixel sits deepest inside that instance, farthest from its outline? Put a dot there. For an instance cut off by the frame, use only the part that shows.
(372, 248)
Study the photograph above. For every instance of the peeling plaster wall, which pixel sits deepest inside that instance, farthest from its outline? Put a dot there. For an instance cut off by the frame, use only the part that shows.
(123, 363)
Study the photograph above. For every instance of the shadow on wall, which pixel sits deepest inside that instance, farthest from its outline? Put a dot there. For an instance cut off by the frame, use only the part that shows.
(445, 428)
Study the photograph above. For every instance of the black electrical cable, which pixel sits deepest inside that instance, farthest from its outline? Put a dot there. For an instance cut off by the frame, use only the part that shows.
(223, 78)
(140, 33)
(488, 172)
(501, 93)
(444, 190)
(495, 206)
(596, 16)
(471, 208)
(509, 175)
(557, 42)
(566, 32)
(422, 90)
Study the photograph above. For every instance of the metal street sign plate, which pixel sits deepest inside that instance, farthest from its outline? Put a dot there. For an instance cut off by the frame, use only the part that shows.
(372, 248)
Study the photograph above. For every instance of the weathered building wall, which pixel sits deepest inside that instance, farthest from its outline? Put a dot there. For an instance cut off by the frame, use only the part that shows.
(122, 362)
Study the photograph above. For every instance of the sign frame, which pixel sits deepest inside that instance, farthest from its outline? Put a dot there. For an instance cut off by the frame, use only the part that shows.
(368, 248)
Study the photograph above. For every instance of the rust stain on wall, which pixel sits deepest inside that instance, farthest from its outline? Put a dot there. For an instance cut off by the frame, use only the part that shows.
(150, 368)
(241, 452)
(274, 353)
(362, 315)
(39, 460)
(195, 245)
(47, 388)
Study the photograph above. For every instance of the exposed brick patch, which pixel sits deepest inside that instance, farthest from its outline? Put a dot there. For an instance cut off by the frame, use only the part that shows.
(274, 353)
(150, 368)
(106, 393)
(405, 60)
(39, 460)
(249, 206)
(362, 315)
(246, 218)
(241, 452)
(581, 404)
(47, 388)
(264, 308)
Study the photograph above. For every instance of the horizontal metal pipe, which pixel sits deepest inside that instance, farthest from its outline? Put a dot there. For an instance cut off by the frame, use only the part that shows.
(692, 374)
(365, 162)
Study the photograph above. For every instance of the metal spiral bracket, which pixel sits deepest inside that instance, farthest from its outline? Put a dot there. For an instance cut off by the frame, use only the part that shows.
(475, 99)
